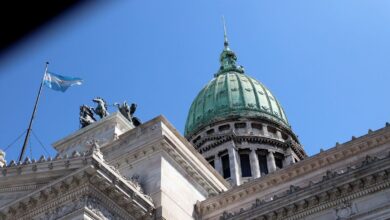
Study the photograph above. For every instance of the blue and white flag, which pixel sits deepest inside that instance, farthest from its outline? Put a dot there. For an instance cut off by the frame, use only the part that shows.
(60, 83)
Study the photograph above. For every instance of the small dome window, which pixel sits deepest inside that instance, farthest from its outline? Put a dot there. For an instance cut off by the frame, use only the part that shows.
(224, 127)
(211, 131)
(239, 125)
(271, 129)
(257, 126)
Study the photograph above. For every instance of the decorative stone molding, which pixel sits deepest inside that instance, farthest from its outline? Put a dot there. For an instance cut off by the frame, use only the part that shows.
(86, 201)
(329, 157)
(95, 174)
(344, 210)
(204, 141)
(336, 190)
(105, 131)
(163, 138)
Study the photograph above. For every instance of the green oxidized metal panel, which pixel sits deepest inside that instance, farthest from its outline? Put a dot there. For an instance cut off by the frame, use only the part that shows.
(275, 109)
(198, 110)
(221, 96)
(235, 91)
(283, 114)
(209, 101)
(232, 94)
(248, 92)
(264, 105)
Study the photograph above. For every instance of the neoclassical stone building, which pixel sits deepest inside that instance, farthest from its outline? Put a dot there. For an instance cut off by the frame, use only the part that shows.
(238, 159)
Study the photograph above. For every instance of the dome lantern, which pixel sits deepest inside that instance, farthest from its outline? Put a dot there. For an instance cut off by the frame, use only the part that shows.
(228, 58)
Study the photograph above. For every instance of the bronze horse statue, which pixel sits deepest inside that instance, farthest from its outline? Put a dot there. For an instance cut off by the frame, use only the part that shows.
(101, 109)
(86, 116)
(128, 112)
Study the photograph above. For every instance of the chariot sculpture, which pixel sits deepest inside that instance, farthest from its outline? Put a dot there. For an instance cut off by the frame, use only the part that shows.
(87, 113)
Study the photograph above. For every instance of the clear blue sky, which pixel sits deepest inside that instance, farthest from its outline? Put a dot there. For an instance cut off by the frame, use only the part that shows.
(327, 62)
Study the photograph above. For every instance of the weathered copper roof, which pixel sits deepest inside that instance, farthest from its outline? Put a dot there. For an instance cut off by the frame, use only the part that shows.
(232, 93)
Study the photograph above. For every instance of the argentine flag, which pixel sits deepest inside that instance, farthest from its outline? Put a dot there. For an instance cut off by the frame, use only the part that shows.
(60, 83)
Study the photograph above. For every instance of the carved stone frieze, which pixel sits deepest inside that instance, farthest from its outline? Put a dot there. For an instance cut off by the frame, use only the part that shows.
(65, 195)
(338, 190)
(91, 203)
(352, 150)
(344, 210)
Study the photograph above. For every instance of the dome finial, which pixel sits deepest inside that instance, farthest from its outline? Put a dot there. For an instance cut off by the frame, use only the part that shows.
(225, 42)
(228, 57)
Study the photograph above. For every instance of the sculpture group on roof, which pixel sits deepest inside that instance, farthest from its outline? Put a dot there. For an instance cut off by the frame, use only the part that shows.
(87, 113)
(128, 112)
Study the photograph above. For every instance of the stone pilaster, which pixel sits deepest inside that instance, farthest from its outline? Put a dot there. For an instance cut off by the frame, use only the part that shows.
(255, 168)
(278, 134)
(288, 159)
(235, 171)
(265, 130)
(271, 162)
(248, 127)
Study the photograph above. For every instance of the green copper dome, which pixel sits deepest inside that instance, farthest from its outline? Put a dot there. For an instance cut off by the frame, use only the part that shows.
(232, 94)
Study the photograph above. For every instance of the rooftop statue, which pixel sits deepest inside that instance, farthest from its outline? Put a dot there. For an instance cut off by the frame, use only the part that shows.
(136, 121)
(86, 116)
(101, 109)
(128, 112)
(124, 109)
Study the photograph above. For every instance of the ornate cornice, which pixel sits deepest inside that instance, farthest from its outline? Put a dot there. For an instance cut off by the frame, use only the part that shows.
(90, 204)
(335, 190)
(160, 136)
(219, 139)
(44, 165)
(192, 170)
(95, 178)
(106, 130)
(21, 187)
(223, 138)
(342, 152)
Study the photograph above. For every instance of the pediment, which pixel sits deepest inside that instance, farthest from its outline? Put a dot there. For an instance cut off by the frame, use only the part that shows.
(46, 185)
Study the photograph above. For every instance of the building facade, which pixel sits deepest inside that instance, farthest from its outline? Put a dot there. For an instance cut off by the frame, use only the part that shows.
(238, 159)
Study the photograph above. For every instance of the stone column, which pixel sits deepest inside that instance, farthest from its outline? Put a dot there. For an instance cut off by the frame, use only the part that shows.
(218, 164)
(271, 162)
(254, 160)
(288, 159)
(235, 171)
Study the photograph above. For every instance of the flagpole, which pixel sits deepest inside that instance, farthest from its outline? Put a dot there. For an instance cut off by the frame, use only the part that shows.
(32, 116)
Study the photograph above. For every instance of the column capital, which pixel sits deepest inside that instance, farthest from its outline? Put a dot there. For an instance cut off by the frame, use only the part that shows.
(271, 151)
